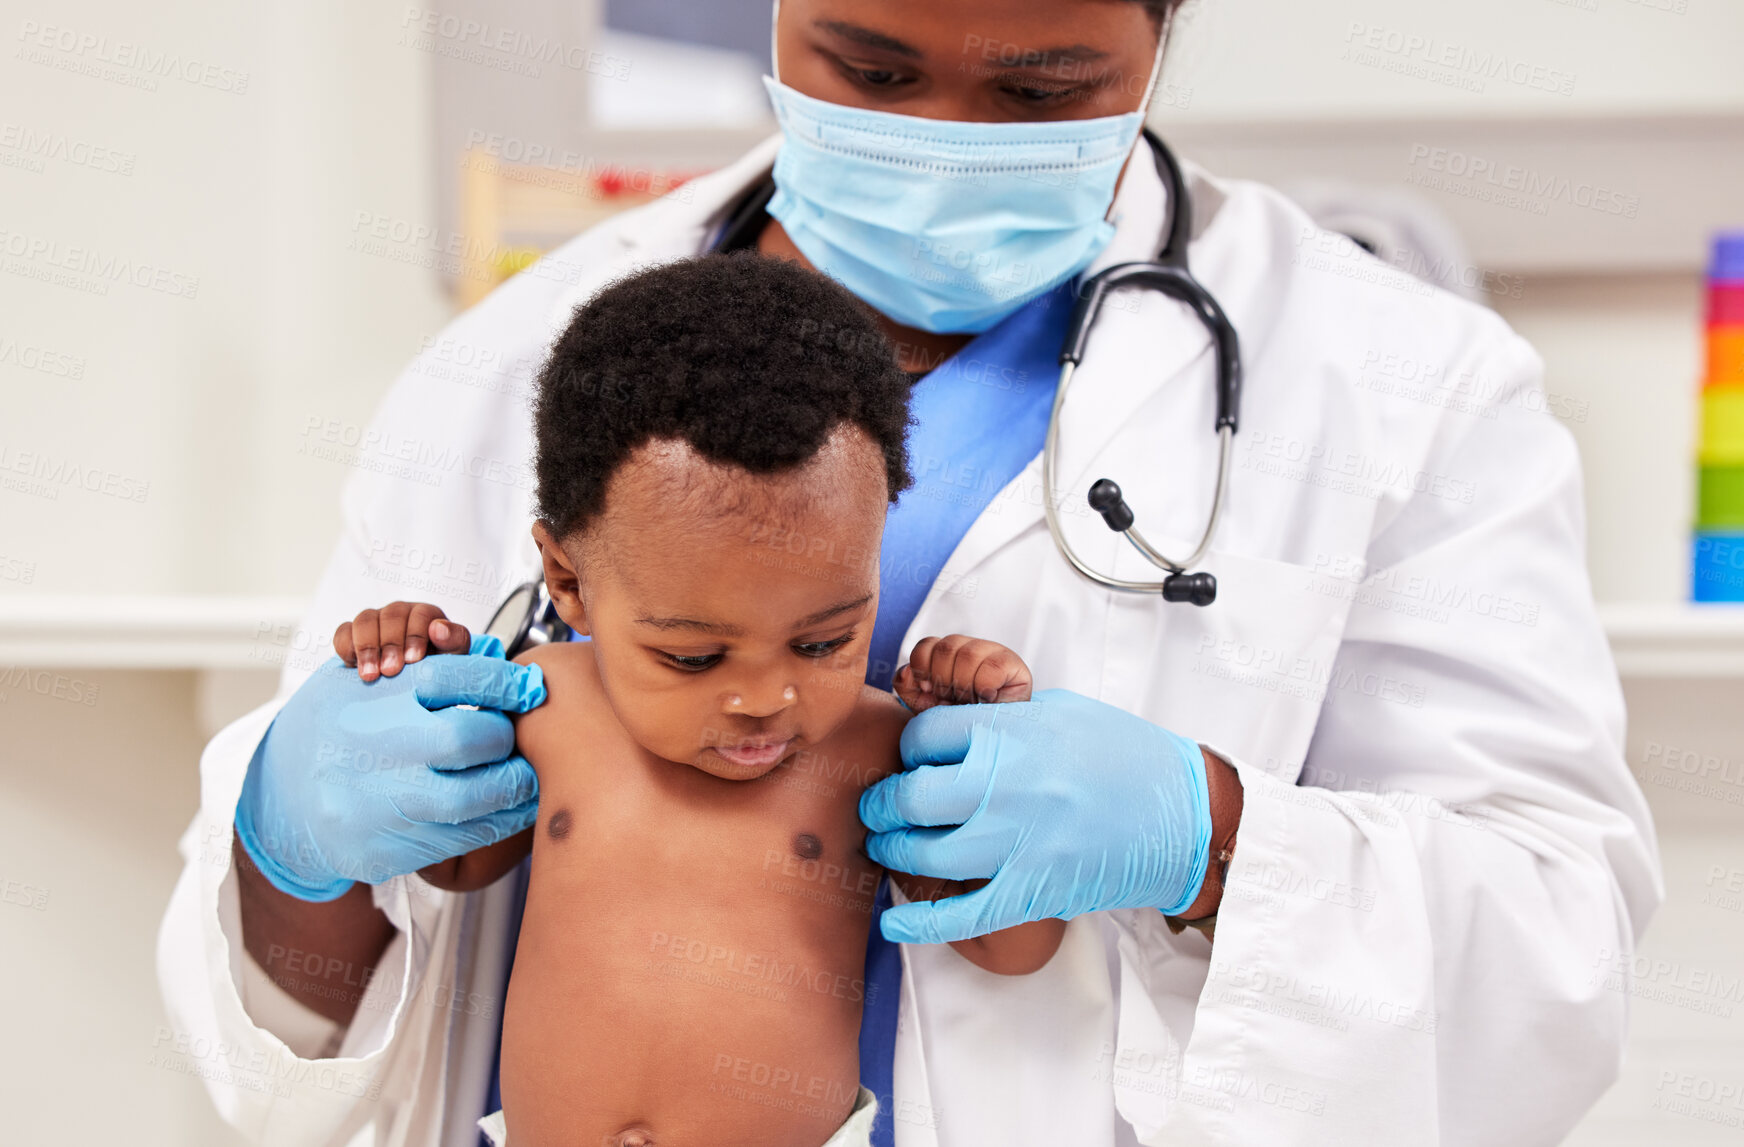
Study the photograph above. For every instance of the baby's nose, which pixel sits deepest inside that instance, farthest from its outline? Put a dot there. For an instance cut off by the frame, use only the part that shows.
(763, 702)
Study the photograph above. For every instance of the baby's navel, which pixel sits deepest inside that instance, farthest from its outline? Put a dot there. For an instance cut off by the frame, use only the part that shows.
(807, 846)
(558, 827)
(632, 1138)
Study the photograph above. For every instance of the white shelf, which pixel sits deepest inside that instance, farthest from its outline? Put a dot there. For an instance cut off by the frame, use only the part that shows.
(193, 632)
(147, 632)
(1651, 640)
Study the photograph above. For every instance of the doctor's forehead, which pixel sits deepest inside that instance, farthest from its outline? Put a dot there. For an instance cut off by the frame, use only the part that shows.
(1020, 33)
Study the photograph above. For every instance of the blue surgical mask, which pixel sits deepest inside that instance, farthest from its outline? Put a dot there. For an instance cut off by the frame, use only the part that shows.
(942, 225)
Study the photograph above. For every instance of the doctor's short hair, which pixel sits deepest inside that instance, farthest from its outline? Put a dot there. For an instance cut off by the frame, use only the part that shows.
(751, 360)
(1160, 10)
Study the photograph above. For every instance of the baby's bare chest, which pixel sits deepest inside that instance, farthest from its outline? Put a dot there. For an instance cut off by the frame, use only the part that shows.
(790, 843)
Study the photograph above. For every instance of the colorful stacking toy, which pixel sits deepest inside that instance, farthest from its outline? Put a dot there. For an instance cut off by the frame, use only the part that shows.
(1719, 542)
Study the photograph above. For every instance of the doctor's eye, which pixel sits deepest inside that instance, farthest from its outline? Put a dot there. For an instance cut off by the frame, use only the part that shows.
(692, 663)
(872, 76)
(1032, 96)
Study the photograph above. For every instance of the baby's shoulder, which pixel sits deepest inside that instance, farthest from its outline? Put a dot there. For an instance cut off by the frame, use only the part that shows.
(563, 658)
(870, 737)
(572, 684)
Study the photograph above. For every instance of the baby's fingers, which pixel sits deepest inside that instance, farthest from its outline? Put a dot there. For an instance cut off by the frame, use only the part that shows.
(909, 688)
(366, 643)
(976, 672)
(408, 628)
(393, 636)
(449, 636)
(422, 620)
(920, 666)
(1001, 676)
(342, 644)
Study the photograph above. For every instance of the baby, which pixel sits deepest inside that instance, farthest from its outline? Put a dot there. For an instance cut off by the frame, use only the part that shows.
(718, 441)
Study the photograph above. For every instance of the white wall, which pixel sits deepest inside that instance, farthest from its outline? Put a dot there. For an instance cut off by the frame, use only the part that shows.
(1361, 59)
(1626, 352)
(252, 194)
(92, 800)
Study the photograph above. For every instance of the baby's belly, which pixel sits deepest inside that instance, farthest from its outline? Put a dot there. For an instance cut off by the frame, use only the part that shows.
(701, 992)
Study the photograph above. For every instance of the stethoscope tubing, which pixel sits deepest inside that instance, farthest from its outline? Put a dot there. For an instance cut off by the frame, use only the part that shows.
(1170, 276)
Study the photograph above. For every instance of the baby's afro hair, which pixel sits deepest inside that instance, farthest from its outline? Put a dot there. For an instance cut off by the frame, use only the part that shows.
(751, 360)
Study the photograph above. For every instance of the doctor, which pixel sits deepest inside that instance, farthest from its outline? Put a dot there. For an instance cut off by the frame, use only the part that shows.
(1394, 740)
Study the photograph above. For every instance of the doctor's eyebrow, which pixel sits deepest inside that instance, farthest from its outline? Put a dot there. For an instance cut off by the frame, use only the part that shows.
(868, 38)
(1003, 56)
(1025, 58)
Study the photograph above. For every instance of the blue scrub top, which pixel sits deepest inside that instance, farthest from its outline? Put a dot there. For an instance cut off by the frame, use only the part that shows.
(980, 417)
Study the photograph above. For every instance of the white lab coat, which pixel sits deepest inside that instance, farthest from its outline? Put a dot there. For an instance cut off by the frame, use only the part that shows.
(1442, 851)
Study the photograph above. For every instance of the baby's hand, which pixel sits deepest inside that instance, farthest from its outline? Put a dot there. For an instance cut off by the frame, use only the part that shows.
(958, 670)
(381, 641)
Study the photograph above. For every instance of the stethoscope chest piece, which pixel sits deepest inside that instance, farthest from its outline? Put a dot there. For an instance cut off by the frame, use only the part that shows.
(528, 619)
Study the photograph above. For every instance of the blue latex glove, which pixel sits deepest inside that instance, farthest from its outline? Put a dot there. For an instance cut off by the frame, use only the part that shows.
(366, 782)
(1067, 804)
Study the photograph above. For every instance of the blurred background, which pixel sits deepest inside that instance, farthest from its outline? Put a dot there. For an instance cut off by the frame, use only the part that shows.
(225, 228)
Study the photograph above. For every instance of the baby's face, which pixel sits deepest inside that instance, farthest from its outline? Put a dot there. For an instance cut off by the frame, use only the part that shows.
(731, 614)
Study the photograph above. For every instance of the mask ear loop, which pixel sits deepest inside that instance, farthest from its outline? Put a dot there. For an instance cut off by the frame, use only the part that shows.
(1144, 109)
(774, 57)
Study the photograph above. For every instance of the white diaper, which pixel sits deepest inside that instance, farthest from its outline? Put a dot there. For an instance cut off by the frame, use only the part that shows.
(855, 1131)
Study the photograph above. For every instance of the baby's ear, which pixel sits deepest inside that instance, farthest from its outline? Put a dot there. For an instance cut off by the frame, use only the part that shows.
(562, 579)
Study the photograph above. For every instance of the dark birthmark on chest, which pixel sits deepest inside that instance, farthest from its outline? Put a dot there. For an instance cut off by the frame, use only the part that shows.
(559, 825)
(807, 847)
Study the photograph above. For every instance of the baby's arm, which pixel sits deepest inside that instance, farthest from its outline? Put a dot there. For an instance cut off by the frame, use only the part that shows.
(966, 670)
(379, 643)
(1016, 951)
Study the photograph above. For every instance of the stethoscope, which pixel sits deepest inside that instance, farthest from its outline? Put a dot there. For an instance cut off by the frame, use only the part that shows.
(1169, 274)
(528, 618)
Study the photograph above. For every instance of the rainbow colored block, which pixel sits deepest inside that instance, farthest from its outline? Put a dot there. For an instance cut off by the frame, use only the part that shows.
(1718, 554)
(1718, 563)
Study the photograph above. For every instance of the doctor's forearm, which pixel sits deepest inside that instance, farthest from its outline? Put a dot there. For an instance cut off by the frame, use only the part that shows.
(1224, 786)
(322, 954)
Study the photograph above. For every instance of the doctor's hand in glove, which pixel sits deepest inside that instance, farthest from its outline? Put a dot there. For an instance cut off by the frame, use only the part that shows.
(1065, 805)
(377, 771)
